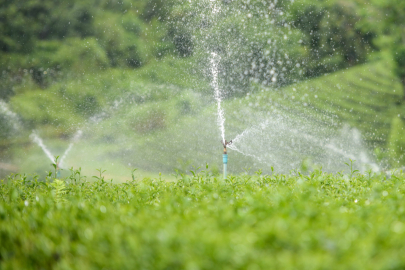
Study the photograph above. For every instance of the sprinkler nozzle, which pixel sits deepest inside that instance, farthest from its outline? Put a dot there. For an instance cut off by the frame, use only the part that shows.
(57, 170)
(225, 144)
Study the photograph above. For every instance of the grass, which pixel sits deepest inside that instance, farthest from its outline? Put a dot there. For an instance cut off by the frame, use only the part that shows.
(199, 221)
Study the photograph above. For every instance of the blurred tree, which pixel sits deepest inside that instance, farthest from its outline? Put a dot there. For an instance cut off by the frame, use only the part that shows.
(54, 39)
(157, 9)
(395, 19)
(6, 129)
(22, 22)
(333, 35)
(121, 38)
(387, 18)
(399, 57)
(16, 30)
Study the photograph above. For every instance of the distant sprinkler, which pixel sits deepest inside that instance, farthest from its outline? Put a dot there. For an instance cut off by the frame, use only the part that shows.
(225, 156)
(57, 170)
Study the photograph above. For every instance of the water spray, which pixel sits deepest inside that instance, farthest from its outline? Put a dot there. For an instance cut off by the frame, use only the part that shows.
(214, 61)
(10, 115)
(59, 164)
(225, 156)
(36, 139)
(76, 137)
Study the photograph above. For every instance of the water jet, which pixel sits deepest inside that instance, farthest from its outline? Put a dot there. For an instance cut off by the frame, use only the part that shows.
(59, 164)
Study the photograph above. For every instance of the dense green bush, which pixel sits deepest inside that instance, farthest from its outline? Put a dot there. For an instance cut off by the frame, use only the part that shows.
(55, 39)
(333, 34)
(319, 221)
(25, 22)
(44, 108)
(122, 43)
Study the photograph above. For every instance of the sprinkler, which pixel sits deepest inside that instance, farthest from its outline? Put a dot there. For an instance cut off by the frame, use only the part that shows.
(225, 156)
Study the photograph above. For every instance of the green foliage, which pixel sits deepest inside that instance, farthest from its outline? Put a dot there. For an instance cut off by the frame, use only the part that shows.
(52, 58)
(122, 43)
(25, 22)
(61, 39)
(6, 128)
(365, 97)
(199, 221)
(333, 35)
(44, 108)
(391, 31)
(9, 122)
(399, 58)
(69, 102)
(321, 35)
(59, 191)
(396, 143)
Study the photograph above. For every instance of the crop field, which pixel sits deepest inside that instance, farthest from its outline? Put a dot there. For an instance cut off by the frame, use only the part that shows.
(199, 221)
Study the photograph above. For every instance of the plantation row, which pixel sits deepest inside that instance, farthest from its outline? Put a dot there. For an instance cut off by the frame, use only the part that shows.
(318, 221)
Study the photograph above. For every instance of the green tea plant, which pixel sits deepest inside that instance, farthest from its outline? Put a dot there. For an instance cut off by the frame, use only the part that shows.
(200, 221)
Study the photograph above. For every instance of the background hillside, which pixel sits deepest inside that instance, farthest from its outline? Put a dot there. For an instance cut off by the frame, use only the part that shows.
(134, 77)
